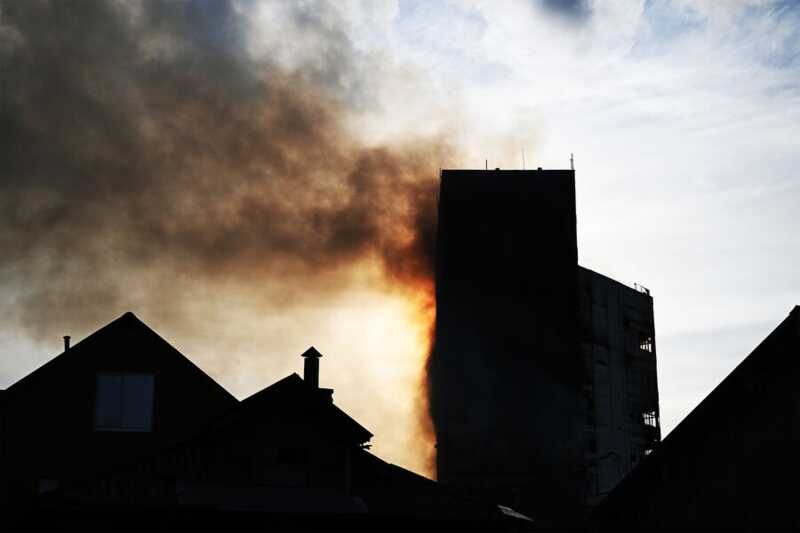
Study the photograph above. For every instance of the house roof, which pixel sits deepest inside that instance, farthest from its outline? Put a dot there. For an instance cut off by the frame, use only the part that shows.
(127, 330)
(764, 364)
(391, 490)
(759, 374)
(291, 396)
(290, 402)
(289, 399)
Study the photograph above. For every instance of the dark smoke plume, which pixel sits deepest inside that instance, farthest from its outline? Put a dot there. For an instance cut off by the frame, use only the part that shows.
(145, 143)
(573, 10)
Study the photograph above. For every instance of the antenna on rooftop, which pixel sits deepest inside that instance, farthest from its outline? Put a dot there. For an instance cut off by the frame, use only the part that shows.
(571, 161)
(523, 159)
(487, 164)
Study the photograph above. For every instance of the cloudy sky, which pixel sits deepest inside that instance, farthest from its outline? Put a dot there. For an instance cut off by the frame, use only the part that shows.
(684, 118)
(253, 178)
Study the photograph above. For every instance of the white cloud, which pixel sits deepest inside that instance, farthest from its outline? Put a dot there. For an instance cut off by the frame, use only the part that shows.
(683, 116)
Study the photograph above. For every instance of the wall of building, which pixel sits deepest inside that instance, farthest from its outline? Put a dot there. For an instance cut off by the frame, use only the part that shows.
(621, 394)
(542, 371)
(506, 372)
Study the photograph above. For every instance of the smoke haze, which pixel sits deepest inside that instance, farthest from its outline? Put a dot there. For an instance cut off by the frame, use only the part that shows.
(160, 157)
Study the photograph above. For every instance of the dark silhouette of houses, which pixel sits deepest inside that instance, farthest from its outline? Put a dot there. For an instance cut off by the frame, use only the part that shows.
(120, 392)
(732, 462)
(122, 431)
(543, 375)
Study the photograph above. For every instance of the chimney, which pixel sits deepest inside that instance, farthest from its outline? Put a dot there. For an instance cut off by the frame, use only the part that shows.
(311, 367)
(66, 342)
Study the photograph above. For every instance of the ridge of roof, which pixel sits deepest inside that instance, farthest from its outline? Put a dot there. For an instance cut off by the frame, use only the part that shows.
(31, 376)
(757, 360)
(269, 389)
(127, 320)
(294, 381)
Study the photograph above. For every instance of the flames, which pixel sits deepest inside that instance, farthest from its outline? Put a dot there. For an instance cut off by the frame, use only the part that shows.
(424, 320)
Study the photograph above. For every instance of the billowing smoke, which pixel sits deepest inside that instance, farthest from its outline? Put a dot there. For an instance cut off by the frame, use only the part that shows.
(145, 146)
(574, 10)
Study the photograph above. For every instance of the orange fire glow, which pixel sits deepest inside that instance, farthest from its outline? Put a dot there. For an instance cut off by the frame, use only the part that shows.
(424, 320)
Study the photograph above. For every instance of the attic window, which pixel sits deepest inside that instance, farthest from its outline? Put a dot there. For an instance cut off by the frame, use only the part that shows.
(124, 402)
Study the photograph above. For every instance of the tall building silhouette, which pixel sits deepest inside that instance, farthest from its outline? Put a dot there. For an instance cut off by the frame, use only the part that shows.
(543, 376)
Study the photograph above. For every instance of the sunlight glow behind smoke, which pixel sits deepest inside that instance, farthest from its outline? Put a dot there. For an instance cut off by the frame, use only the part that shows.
(374, 340)
(220, 180)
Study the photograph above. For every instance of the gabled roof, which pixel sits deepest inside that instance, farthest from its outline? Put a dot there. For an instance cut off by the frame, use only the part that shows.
(126, 330)
(128, 345)
(288, 398)
(391, 490)
(292, 394)
(766, 363)
(760, 374)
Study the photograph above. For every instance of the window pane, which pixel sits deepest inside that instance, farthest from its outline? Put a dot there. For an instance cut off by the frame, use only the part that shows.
(137, 401)
(108, 402)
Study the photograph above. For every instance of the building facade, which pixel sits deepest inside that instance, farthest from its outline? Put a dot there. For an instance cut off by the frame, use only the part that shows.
(536, 389)
(618, 347)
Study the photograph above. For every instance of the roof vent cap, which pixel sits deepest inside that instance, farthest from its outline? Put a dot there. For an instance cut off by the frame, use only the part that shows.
(311, 367)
